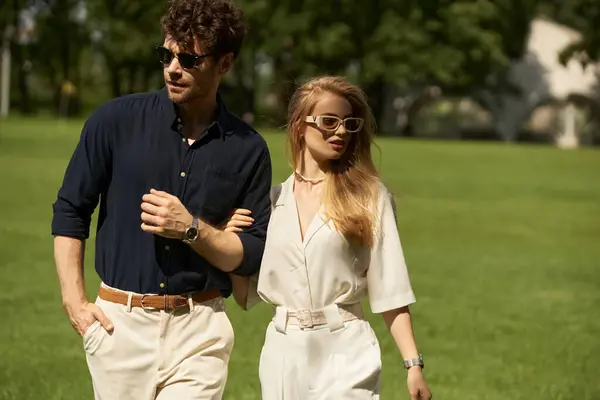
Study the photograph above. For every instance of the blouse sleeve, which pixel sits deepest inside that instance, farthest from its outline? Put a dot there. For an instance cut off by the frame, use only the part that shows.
(253, 296)
(388, 282)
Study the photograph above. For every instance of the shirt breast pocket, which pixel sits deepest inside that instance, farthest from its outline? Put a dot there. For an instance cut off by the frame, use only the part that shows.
(218, 194)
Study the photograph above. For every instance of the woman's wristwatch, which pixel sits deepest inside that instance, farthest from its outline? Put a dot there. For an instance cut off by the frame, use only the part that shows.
(414, 362)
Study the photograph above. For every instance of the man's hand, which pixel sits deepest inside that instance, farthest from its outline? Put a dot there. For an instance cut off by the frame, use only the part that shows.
(83, 315)
(164, 214)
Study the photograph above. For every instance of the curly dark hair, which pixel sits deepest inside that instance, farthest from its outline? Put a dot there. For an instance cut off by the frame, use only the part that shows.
(217, 24)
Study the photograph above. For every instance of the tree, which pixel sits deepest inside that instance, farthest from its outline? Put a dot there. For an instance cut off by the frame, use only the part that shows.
(126, 33)
(9, 15)
(507, 102)
(459, 47)
(379, 43)
(60, 38)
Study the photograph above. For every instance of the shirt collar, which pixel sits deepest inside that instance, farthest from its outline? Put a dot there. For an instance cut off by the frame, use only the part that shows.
(221, 121)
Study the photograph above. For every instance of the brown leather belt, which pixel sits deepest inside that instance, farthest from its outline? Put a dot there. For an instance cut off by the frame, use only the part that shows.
(165, 302)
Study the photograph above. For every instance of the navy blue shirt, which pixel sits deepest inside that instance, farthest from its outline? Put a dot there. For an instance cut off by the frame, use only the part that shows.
(134, 143)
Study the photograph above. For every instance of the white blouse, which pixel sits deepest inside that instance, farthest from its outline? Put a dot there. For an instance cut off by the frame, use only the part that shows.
(324, 268)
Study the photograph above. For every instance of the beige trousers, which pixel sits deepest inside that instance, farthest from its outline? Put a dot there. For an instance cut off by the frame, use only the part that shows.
(340, 360)
(153, 354)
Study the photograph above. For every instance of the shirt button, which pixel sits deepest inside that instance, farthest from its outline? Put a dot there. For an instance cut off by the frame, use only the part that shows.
(162, 285)
(179, 119)
(167, 247)
(183, 140)
(182, 174)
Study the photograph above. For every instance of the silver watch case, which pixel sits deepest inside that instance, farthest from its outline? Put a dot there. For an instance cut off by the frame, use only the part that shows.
(414, 362)
(191, 233)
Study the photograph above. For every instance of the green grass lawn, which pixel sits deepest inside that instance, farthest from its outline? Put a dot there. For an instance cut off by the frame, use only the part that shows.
(502, 243)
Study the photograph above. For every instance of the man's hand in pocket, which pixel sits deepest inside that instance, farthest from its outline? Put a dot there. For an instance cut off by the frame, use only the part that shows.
(83, 315)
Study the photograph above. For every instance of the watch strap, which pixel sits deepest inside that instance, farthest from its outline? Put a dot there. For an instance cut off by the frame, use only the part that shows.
(414, 362)
(193, 226)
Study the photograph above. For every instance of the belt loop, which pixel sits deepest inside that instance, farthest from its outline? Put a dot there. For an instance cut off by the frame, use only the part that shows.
(129, 298)
(334, 317)
(281, 316)
(190, 302)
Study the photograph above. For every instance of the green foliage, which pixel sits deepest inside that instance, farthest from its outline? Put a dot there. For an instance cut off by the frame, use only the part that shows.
(450, 43)
(128, 30)
(462, 46)
(7, 13)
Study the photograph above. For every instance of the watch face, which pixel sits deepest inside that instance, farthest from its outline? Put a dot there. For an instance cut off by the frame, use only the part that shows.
(191, 233)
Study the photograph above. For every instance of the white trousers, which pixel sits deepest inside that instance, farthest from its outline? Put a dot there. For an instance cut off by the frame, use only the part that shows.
(153, 354)
(328, 362)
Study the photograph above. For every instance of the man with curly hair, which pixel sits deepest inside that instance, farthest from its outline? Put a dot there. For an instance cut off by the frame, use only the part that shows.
(168, 168)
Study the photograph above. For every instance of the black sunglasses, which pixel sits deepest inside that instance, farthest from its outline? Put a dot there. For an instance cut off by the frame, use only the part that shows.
(186, 60)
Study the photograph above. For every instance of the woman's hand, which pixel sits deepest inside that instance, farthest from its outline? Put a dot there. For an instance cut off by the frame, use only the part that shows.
(417, 386)
(400, 326)
(239, 220)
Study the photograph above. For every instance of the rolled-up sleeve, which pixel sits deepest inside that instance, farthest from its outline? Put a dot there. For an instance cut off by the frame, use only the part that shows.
(389, 286)
(256, 199)
(86, 177)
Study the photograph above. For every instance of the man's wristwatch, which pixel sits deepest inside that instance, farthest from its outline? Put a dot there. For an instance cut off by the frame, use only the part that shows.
(414, 362)
(191, 233)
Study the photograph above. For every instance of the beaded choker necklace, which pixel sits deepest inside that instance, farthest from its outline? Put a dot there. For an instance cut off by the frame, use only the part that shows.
(311, 180)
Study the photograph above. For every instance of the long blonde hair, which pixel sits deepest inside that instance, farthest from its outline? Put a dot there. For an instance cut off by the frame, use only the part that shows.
(351, 191)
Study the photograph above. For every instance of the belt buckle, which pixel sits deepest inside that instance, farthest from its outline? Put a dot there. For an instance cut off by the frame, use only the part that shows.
(142, 304)
(147, 308)
(305, 318)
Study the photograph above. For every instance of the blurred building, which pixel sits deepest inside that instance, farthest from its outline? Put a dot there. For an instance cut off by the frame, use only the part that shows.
(562, 97)
(553, 102)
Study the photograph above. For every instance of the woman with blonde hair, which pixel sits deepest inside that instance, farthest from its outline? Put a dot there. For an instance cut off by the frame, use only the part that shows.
(332, 240)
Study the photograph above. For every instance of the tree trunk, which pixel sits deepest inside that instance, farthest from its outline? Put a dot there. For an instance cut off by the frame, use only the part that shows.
(23, 79)
(65, 63)
(115, 80)
(146, 79)
(77, 96)
(285, 83)
(132, 70)
(6, 67)
(245, 78)
(375, 94)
